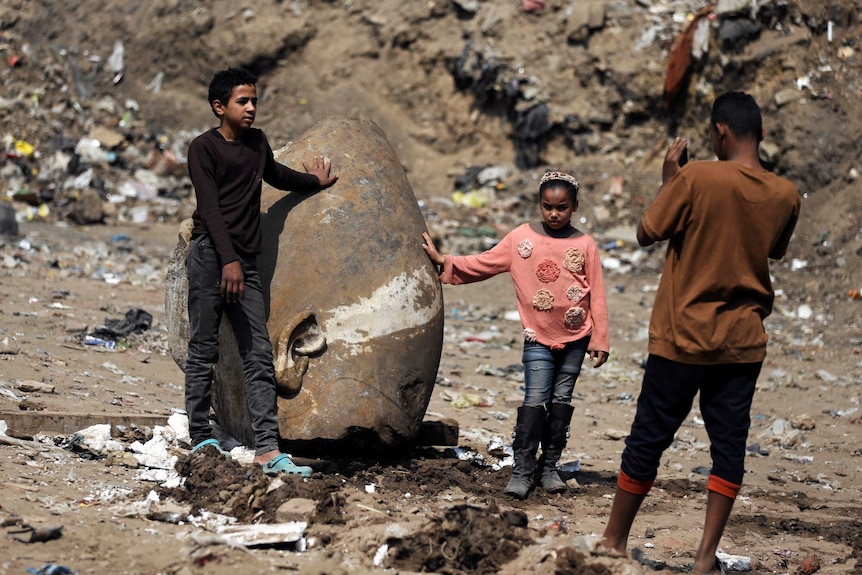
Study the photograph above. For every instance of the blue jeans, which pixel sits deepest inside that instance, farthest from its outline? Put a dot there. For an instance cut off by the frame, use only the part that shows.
(550, 374)
(248, 320)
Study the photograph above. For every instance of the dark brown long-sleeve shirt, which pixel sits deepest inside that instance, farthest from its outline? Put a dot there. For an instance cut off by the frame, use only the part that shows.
(228, 178)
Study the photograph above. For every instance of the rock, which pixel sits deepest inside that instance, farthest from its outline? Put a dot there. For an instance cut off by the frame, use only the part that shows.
(468, 6)
(735, 33)
(734, 562)
(787, 96)
(398, 531)
(356, 309)
(726, 7)
(601, 213)
(769, 152)
(88, 208)
(825, 376)
(804, 422)
(772, 42)
(809, 566)
(584, 19)
(107, 137)
(74, 327)
(296, 509)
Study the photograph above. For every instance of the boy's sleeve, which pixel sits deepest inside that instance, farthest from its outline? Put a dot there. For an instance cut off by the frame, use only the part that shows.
(780, 248)
(202, 171)
(475, 268)
(600, 338)
(668, 214)
(283, 178)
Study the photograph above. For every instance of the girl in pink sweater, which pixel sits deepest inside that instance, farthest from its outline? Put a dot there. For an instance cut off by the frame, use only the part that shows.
(557, 275)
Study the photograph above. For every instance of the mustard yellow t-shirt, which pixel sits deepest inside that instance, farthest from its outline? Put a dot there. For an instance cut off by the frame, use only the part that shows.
(723, 222)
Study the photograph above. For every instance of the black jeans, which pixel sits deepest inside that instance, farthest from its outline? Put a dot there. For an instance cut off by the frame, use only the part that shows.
(666, 397)
(248, 320)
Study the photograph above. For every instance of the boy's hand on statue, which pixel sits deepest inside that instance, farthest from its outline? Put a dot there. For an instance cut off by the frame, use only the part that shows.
(599, 357)
(671, 159)
(431, 249)
(320, 167)
(232, 282)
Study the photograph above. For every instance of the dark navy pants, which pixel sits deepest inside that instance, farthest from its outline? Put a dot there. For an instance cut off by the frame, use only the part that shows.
(666, 397)
(248, 320)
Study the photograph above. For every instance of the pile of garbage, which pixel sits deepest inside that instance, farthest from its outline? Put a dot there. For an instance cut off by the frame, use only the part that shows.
(75, 152)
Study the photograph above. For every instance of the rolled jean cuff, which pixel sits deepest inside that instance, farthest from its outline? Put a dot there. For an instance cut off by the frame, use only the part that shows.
(635, 486)
(722, 486)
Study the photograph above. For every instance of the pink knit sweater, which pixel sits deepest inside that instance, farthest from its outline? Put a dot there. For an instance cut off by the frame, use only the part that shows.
(558, 283)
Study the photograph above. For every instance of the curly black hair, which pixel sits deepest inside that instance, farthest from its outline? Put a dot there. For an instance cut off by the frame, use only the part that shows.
(223, 83)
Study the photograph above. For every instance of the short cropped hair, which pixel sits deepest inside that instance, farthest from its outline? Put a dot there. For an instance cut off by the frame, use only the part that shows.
(223, 83)
(739, 112)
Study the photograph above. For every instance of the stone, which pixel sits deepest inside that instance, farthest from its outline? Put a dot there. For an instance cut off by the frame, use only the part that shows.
(87, 209)
(296, 509)
(787, 96)
(804, 422)
(107, 137)
(769, 151)
(584, 19)
(728, 7)
(355, 304)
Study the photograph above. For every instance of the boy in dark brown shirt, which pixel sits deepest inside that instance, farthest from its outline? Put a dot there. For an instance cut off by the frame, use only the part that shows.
(723, 220)
(228, 166)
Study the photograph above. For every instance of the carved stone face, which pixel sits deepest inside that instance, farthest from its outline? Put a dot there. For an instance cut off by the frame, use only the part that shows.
(355, 305)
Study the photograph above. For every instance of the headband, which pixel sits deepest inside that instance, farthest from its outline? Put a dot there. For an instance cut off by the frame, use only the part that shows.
(549, 176)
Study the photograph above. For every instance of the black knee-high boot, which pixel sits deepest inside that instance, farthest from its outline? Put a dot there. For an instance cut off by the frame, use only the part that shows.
(554, 438)
(528, 434)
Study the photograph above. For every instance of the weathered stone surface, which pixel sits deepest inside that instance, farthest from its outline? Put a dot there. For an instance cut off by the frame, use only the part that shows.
(585, 18)
(87, 209)
(725, 7)
(344, 265)
(296, 509)
(788, 95)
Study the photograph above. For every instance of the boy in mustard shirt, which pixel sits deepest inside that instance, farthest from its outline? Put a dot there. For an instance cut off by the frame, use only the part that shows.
(723, 220)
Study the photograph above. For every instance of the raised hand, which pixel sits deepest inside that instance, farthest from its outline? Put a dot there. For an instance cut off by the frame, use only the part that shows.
(671, 159)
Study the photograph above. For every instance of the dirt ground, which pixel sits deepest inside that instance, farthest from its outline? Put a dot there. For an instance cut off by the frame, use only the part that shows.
(432, 509)
(439, 509)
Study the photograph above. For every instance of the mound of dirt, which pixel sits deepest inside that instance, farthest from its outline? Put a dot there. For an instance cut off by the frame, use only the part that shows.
(467, 539)
(220, 485)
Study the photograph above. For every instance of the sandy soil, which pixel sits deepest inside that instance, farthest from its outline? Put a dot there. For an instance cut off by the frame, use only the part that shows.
(800, 497)
(437, 509)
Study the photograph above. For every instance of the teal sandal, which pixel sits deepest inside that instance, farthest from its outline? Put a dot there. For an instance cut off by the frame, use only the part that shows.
(214, 443)
(281, 463)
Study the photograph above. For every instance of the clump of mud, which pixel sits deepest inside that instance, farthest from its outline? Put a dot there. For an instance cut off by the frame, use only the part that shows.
(467, 539)
(220, 485)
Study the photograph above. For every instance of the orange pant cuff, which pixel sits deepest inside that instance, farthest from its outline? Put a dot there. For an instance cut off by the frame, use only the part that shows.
(635, 486)
(722, 486)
